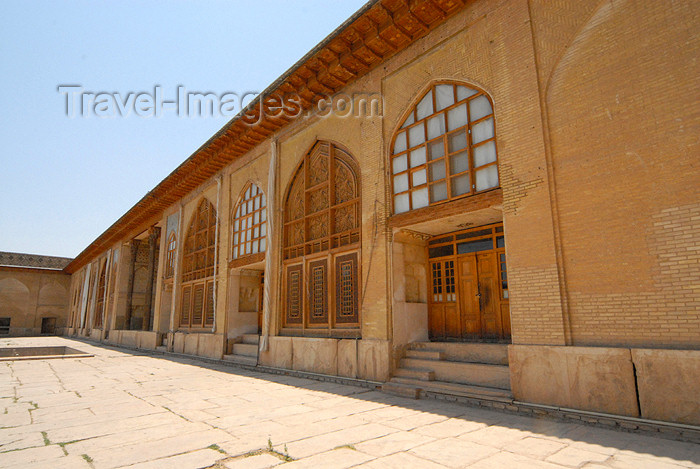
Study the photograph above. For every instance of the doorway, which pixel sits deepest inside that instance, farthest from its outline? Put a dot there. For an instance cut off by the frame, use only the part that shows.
(468, 298)
(48, 326)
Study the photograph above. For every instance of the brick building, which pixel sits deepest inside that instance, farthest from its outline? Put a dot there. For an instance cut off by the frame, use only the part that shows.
(482, 198)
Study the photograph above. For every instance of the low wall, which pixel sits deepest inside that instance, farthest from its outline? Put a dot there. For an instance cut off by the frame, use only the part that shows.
(654, 384)
(199, 344)
(350, 358)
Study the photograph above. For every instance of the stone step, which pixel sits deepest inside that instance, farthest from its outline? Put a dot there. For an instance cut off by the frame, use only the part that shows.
(423, 375)
(250, 339)
(492, 354)
(248, 350)
(425, 354)
(241, 359)
(476, 374)
(456, 389)
(402, 390)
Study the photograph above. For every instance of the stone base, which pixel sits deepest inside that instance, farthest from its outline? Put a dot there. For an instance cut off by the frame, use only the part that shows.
(146, 340)
(199, 344)
(364, 359)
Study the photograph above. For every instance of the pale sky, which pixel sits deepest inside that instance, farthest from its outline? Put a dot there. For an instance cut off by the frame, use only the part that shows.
(64, 180)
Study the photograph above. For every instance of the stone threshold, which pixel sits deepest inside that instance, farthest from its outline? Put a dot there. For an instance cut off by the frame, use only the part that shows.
(661, 429)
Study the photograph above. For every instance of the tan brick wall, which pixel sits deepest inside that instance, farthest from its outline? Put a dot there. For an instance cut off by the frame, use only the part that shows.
(621, 96)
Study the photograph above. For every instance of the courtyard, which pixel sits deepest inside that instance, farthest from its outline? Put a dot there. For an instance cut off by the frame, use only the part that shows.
(127, 409)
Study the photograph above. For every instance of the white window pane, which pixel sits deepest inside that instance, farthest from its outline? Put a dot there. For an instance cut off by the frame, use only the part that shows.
(257, 203)
(419, 198)
(256, 232)
(255, 247)
(460, 184)
(436, 149)
(263, 229)
(416, 135)
(401, 183)
(457, 141)
(487, 178)
(244, 210)
(444, 96)
(479, 107)
(437, 170)
(459, 162)
(400, 143)
(482, 131)
(418, 178)
(401, 203)
(409, 120)
(438, 191)
(250, 206)
(247, 194)
(457, 117)
(238, 211)
(400, 163)
(418, 157)
(235, 238)
(235, 225)
(256, 218)
(463, 92)
(263, 214)
(436, 126)
(263, 243)
(243, 236)
(235, 252)
(484, 154)
(263, 199)
(425, 107)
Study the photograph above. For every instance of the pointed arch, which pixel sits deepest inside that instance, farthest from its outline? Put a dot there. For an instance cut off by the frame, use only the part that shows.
(198, 259)
(249, 227)
(321, 242)
(445, 148)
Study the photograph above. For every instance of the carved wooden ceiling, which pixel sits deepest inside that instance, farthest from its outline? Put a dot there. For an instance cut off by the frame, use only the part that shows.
(377, 31)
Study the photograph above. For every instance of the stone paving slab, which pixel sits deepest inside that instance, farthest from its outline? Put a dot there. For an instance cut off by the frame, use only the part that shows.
(123, 409)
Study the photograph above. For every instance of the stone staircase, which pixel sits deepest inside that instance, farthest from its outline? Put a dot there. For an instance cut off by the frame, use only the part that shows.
(460, 369)
(245, 350)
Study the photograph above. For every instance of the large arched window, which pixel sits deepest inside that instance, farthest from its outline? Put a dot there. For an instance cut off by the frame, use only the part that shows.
(321, 243)
(199, 257)
(249, 222)
(445, 148)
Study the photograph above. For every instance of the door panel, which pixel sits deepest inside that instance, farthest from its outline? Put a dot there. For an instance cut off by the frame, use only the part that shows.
(436, 321)
(468, 299)
(489, 295)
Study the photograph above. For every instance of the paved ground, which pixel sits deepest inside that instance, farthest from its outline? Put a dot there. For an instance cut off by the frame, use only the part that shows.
(121, 409)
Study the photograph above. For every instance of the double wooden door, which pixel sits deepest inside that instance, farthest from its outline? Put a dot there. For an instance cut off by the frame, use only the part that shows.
(471, 303)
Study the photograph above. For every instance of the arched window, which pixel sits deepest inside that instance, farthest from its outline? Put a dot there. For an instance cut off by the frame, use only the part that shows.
(170, 256)
(199, 257)
(445, 148)
(321, 243)
(249, 222)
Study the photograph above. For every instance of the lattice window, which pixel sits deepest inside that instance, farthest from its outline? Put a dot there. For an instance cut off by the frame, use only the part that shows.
(199, 256)
(170, 256)
(443, 278)
(437, 282)
(322, 206)
(249, 223)
(322, 220)
(445, 148)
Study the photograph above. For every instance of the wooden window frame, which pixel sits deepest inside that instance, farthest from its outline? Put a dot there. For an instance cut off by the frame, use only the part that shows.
(198, 275)
(245, 213)
(100, 300)
(410, 121)
(341, 237)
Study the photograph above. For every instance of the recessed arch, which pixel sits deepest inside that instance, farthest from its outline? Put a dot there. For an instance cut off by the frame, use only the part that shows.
(444, 147)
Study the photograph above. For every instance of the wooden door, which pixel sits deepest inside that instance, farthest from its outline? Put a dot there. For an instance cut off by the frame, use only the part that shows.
(489, 295)
(469, 296)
